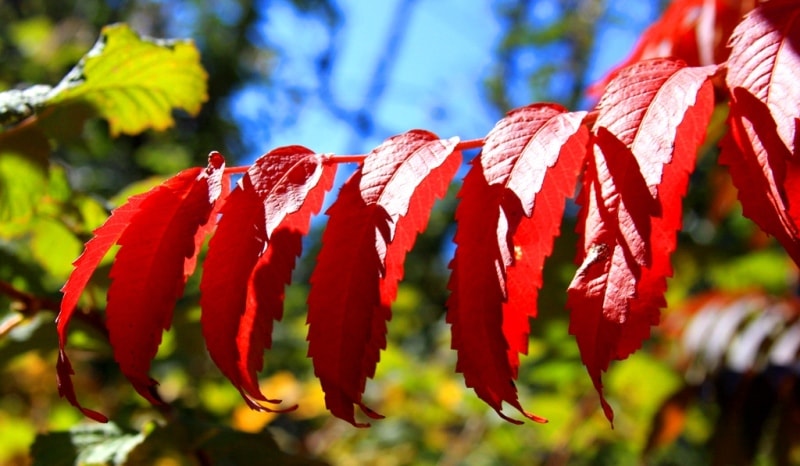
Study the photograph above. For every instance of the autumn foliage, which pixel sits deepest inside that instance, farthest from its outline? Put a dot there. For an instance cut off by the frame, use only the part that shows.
(629, 158)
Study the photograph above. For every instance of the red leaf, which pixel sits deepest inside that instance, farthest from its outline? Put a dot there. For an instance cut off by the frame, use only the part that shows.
(761, 148)
(765, 60)
(372, 225)
(694, 31)
(510, 211)
(156, 253)
(763, 170)
(104, 238)
(651, 121)
(251, 258)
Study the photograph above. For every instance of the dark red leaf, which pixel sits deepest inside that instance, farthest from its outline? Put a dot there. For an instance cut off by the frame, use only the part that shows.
(251, 258)
(651, 121)
(761, 148)
(511, 208)
(372, 225)
(152, 265)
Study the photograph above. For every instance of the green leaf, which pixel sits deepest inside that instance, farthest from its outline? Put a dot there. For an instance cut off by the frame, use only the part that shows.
(95, 444)
(137, 187)
(24, 152)
(17, 433)
(768, 269)
(54, 246)
(92, 212)
(186, 438)
(164, 158)
(135, 82)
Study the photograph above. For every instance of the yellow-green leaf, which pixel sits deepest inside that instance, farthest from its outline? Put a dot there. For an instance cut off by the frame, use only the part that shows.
(54, 246)
(23, 172)
(135, 82)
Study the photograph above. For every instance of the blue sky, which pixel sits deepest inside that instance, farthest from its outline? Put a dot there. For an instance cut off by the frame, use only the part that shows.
(435, 83)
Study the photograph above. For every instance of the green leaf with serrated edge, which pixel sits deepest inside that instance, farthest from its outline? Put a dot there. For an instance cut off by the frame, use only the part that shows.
(135, 82)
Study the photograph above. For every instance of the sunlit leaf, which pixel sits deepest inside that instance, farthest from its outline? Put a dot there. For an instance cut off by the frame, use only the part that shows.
(135, 82)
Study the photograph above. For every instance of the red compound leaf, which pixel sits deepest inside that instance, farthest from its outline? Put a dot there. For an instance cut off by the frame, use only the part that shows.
(251, 258)
(511, 207)
(372, 225)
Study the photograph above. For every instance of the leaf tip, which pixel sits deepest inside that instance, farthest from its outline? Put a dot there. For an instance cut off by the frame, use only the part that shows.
(508, 418)
(608, 411)
(66, 390)
(146, 387)
(266, 409)
(518, 406)
(344, 409)
(370, 412)
(254, 400)
(535, 418)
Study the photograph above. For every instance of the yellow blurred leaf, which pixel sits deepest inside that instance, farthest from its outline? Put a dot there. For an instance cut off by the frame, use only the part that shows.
(312, 402)
(449, 394)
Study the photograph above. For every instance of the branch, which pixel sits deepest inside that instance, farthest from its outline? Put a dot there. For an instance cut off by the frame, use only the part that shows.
(463, 145)
(16, 105)
(28, 305)
(358, 158)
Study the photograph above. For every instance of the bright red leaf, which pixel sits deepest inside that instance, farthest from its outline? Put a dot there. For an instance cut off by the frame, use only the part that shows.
(694, 31)
(150, 269)
(188, 195)
(371, 227)
(651, 121)
(761, 149)
(251, 258)
(511, 207)
(96, 248)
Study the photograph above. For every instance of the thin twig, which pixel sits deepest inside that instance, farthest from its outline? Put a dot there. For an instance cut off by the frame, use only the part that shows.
(10, 324)
(470, 144)
(358, 158)
(28, 305)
